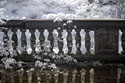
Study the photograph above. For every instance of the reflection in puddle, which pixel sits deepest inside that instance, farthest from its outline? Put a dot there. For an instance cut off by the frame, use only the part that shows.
(65, 74)
(83, 72)
(119, 71)
(74, 73)
(91, 72)
(84, 75)
(20, 74)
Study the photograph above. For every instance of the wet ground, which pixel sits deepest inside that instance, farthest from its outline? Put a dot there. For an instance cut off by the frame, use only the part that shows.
(82, 75)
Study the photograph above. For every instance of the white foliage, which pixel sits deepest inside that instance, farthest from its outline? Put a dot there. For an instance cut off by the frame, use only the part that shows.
(8, 62)
(64, 9)
(2, 15)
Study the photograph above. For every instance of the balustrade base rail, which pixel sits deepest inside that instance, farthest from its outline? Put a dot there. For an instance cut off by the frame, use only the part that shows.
(81, 58)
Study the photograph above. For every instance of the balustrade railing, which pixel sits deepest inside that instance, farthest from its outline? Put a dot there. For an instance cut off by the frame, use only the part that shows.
(78, 38)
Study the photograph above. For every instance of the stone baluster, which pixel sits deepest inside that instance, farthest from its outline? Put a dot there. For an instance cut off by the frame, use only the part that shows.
(42, 39)
(78, 41)
(32, 39)
(74, 48)
(64, 37)
(47, 41)
(87, 41)
(50, 38)
(83, 48)
(60, 40)
(56, 38)
(123, 41)
(69, 41)
(19, 43)
(37, 41)
(13, 41)
(23, 40)
(28, 42)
